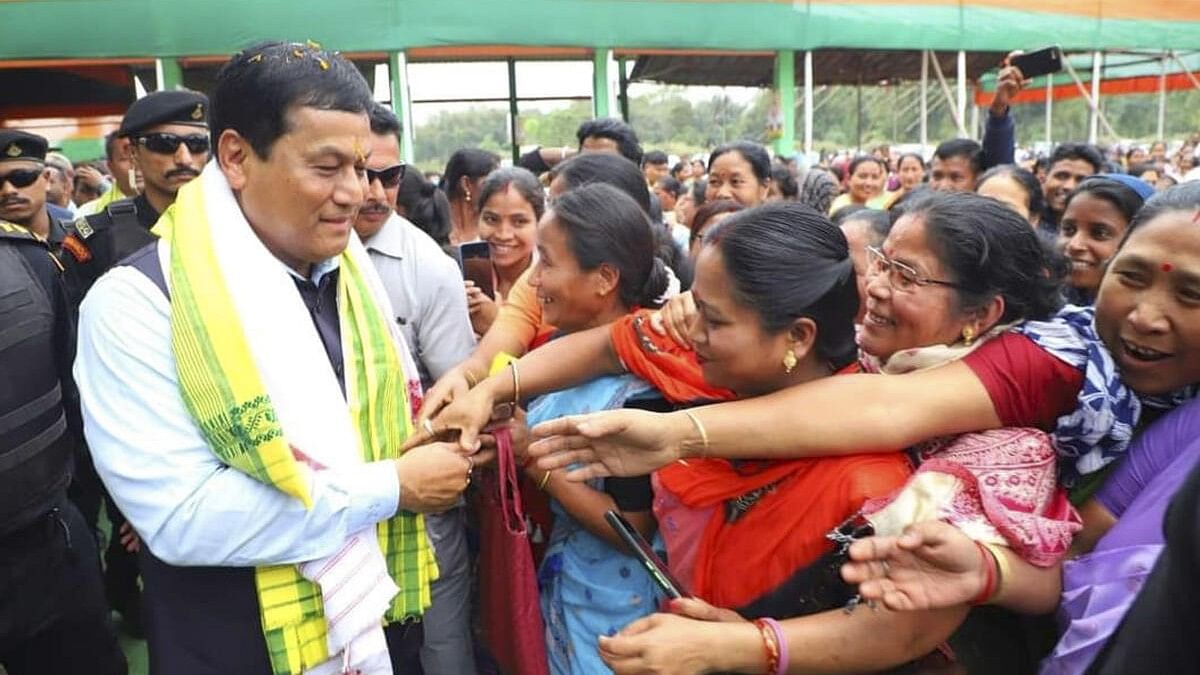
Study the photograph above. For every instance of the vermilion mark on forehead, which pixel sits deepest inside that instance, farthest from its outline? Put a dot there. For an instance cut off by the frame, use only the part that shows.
(1167, 267)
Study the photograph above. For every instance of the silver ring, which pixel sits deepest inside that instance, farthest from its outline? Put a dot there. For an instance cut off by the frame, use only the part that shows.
(427, 425)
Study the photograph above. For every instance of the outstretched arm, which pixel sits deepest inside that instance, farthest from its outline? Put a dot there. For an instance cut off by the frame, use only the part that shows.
(829, 642)
(512, 331)
(565, 362)
(831, 416)
(933, 564)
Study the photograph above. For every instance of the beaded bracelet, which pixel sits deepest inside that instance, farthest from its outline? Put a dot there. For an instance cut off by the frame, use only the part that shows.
(770, 644)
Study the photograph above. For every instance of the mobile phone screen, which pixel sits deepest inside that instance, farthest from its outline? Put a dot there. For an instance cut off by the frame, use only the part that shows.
(650, 560)
(475, 259)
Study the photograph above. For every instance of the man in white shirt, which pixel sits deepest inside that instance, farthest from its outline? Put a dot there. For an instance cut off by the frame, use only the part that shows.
(425, 288)
(292, 138)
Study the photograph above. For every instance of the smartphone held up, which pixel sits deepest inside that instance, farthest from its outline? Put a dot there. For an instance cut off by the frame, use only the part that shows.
(475, 261)
(1041, 62)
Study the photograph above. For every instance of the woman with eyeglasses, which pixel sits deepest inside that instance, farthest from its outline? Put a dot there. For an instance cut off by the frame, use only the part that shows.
(777, 294)
(511, 201)
(1128, 601)
(959, 309)
(934, 299)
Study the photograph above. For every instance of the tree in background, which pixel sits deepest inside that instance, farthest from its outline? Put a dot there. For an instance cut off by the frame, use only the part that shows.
(667, 120)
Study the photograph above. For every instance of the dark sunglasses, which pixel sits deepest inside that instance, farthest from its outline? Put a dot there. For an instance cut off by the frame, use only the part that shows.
(168, 144)
(389, 177)
(21, 177)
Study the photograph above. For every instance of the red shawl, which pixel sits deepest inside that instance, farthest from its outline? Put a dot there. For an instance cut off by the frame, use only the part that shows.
(803, 499)
(657, 359)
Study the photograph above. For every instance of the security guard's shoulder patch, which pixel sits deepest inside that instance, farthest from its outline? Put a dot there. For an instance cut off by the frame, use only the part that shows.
(13, 231)
(82, 227)
(78, 250)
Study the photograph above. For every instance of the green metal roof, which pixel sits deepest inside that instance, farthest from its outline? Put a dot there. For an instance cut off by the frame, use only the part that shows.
(168, 28)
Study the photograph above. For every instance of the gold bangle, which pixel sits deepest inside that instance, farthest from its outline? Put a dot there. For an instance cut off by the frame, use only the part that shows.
(471, 379)
(700, 428)
(516, 383)
(1003, 566)
(545, 479)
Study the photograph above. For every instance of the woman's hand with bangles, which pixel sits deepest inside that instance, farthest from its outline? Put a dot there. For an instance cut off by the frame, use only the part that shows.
(932, 565)
(449, 387)
(468, 414)
(611, 443)
(694, 638)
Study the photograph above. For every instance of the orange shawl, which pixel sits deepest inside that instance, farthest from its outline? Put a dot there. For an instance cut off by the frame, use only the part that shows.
(657, 359)
(801, 501)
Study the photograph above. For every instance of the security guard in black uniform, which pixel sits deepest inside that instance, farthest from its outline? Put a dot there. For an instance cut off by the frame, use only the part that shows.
(53, 615)
(24, 179)
(170, 145)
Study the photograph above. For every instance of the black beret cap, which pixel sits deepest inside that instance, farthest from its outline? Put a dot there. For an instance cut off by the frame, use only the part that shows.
(16, 144)
(176, 106)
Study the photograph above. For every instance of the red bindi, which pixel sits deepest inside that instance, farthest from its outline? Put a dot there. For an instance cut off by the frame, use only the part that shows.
(1167, 267)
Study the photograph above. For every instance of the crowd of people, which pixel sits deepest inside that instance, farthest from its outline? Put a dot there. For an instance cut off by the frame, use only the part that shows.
(888, 413)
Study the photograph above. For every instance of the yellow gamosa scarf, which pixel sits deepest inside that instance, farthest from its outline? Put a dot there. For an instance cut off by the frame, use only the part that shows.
(256, 379)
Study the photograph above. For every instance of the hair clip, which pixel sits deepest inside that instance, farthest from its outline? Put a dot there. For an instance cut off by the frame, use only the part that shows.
(256, 58)
(323, 63)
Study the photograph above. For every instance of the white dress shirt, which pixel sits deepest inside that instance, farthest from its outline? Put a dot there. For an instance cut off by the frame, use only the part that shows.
(426, 290)
(187, 506)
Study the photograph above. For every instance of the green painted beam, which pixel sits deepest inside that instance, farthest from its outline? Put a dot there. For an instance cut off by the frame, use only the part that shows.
(401, 102)
(785, 89)
(170, 74)
(139, 28)
(601, 105)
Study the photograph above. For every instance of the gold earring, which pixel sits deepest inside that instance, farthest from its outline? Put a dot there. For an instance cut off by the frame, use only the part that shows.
(789, 361)
(968, 335)
(468, 196)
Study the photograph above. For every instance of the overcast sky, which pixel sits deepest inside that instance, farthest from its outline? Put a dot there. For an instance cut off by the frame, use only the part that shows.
(432, 81)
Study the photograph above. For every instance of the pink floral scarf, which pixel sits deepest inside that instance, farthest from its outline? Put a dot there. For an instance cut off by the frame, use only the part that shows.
(998, 486)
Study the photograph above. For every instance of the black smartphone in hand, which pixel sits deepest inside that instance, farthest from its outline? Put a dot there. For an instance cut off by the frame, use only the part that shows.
(475, 259)
(1042, 62)
(649, 559)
